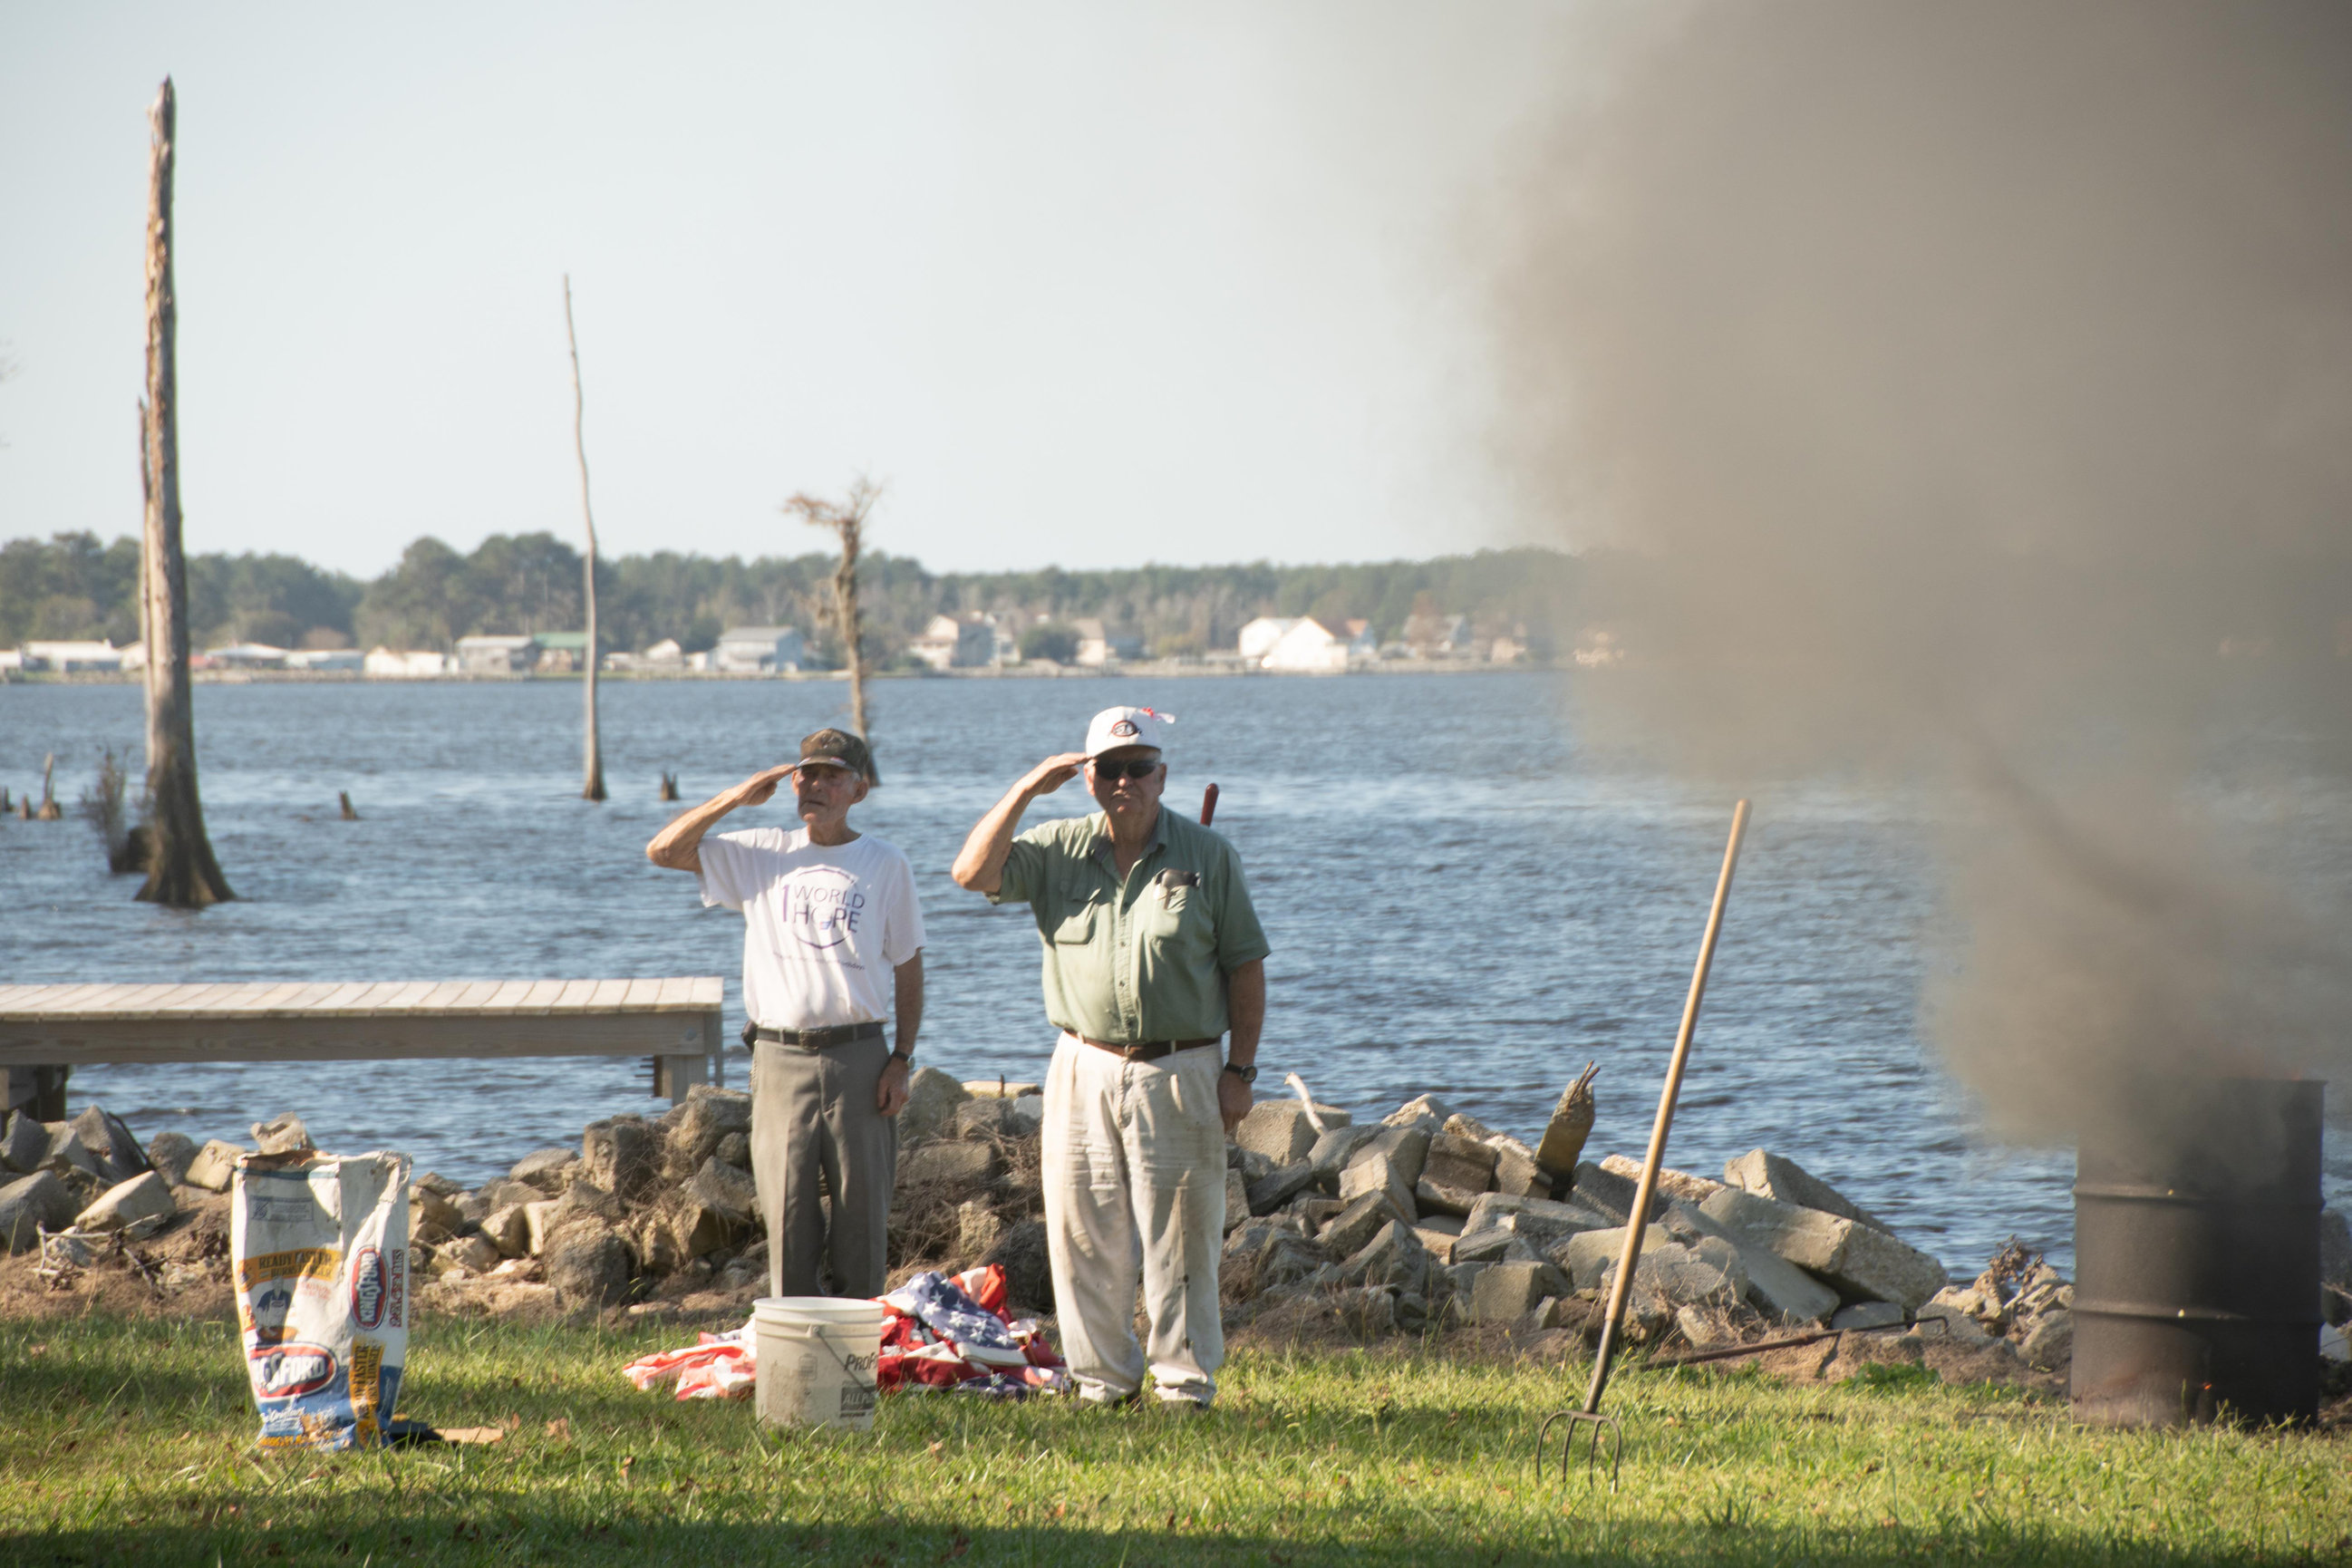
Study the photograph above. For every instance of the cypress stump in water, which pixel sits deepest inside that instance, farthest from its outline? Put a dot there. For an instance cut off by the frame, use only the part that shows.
(180, 870)
(593, 753)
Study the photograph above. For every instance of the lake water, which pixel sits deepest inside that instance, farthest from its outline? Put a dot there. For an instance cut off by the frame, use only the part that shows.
(1461, 901)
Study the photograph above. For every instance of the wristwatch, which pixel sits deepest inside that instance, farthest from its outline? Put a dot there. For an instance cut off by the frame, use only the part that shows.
(1247, 1074)
(902, 1056)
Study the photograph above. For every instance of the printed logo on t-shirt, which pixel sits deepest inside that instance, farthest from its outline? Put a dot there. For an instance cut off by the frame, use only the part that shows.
(822, 906)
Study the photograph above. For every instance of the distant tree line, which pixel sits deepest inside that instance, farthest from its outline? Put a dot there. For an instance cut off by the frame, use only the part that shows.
(71, 586)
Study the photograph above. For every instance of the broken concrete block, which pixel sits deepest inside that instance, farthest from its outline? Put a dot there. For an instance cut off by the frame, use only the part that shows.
(731, 1193)
(1469, 1128)
(1606, 1192)
(434, 1182)
(977, 1228)
(508, 1229)
(1406, 1148)
(735, 1149)
(25, 1146)
(979, 1118)
(66, 1151)
(1374, 1171)
(1506, 1292)
(2050, 1345)
(1332, 1151)
(30, 1203)
(1432, 1198)
(1542, 1220)
(1959, 1328)
(282, 1135)
(1237, 1207)
(947, 1164)
(1271, 1191)
(621, 1155)
(1252, 1165)
(1767, 1175)
(544, 1169)
(931, 1101)
(1867, 1315)
(1518, 1175)
(1862, 1264)
(1562, 1145)
(1314, 1210)
(539, 1220)
(1426, 1108)
(1676, 1276)
(589, 1262)
(1394, 1258)
(144, 1197)
(1279, 1129)
(1704, 1329)
(1345, 1232)
(1779, 1289)
(215, 1166)
(1589, 1255)
(432, 1218)
(111, 1144)
(473, 1253)
(1493, 1245)
(1454, 1162)
(1679, 1186)
(1439, 1244)
(1028, 1118)
(172, 1153)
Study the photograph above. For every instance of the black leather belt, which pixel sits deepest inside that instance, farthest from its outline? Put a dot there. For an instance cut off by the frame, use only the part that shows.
(1150, 1051)
(815, 1040)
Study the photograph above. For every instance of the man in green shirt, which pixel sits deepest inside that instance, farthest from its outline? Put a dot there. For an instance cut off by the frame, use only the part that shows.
(1152, 953)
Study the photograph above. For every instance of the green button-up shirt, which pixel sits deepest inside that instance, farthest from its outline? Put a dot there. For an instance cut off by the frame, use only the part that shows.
(1140, 959)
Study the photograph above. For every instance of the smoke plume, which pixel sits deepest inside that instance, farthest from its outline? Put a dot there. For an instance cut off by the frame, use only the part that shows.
(1969, 391)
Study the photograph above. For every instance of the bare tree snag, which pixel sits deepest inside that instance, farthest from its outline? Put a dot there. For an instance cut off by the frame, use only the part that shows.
(180, 870)
(592, 752)
(848, 519)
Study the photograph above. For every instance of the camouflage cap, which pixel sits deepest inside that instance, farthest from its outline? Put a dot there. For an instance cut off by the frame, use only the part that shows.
(836, 748)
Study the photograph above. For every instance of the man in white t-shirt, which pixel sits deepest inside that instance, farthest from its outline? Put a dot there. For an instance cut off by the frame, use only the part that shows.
(832, 937)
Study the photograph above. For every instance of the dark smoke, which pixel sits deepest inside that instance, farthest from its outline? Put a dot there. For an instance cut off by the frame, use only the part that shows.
(1970, 388)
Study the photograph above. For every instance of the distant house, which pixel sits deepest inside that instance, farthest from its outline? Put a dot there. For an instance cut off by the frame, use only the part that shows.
(325, 658)
(246, 656)
(413, 664)
(1311, 647)
(952, 644)
(1005, 632)
(748, 649)
(1100, 645)
(665, 655)
(1258, 637)
(1437, 636)
(497, 655)
(73, 658)
(561, 652)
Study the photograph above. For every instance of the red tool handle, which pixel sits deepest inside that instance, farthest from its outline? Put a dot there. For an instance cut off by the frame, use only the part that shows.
(1208, 805)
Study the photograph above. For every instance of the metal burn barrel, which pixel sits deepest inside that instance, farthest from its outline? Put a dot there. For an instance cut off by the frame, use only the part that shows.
(2196, 1259)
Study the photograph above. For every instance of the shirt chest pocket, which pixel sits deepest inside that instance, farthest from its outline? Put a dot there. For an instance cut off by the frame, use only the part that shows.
(1175, 911)
(1075, 929)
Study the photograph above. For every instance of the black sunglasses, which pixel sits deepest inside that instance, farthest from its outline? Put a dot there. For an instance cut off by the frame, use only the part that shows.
(1133, 768)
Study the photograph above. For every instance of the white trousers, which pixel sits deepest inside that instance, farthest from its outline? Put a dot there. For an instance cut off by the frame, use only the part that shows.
(1134, 1167)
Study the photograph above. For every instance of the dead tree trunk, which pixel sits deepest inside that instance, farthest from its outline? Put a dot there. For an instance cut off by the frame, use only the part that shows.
(848, 519)
(180, 870)
(592, 752)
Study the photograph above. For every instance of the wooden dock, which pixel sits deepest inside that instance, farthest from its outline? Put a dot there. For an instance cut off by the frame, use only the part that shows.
(675, 1021)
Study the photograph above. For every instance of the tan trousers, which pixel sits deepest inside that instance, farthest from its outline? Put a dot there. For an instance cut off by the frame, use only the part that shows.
(1134, 1167)
(812, 1115)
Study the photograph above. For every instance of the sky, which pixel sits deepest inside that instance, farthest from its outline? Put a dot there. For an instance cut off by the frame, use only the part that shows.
(1084, 285)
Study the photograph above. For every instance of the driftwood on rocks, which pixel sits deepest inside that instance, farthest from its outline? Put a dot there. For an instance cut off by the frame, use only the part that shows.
(181, 869)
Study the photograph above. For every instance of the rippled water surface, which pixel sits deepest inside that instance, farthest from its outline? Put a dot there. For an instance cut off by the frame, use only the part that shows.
(1459, 899)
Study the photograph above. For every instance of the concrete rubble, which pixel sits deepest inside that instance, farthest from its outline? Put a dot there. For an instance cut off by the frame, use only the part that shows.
(1423, 1220)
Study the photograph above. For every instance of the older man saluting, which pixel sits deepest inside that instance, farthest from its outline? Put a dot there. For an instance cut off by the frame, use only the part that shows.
(832, 937)
(1152, 952)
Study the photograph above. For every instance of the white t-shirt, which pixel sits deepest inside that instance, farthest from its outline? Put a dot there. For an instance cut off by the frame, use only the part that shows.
(823, 926)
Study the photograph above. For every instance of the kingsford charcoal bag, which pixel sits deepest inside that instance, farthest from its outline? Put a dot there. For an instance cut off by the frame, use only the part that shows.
(319, 1245)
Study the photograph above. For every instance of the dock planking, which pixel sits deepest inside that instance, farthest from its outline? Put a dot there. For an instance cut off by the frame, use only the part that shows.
(675, 1020)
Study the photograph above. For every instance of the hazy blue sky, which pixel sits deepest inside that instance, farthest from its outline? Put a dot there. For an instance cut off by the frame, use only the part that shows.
(1087, 284)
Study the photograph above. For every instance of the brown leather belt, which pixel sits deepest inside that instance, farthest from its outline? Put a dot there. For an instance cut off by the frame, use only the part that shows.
(1150, 1051)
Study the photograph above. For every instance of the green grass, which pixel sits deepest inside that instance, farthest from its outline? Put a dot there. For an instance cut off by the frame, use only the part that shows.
(132, 1442)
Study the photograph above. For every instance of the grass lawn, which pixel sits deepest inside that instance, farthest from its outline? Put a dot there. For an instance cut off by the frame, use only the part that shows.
(129, 1441)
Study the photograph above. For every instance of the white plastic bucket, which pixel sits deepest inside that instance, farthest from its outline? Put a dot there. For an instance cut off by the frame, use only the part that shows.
(817, 1356)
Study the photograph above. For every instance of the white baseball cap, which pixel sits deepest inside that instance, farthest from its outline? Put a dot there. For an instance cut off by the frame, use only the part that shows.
(1114, 728)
